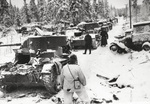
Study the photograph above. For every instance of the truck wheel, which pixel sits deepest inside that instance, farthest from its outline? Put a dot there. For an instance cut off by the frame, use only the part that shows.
(114, 48)
(146, 47)
(50, 83)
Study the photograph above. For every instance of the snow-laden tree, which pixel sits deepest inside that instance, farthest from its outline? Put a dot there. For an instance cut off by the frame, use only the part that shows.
(3, 6)
(113, 12)
(101, 8)
(34, 11)
(4, 11)
(79, 11)
(42, 9)
(25, 17)
(74, 11)
(94, 10)
(145, 10)
(106, 9)
(135, 9)
(11, 13)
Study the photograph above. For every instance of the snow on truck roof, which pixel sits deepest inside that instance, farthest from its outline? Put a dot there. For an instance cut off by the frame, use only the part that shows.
(87, 23)
(129, 30)
(141, 23)
(81, 23)
(44, 36)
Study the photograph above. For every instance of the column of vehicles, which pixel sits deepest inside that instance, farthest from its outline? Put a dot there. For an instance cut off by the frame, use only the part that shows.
(136, 39)
(39, 58)
(77, 33)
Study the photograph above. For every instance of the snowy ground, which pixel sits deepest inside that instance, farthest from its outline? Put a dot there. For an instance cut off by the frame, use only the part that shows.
(132, 68)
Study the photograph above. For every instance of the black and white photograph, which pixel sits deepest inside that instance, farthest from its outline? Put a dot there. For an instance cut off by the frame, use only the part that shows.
(74, 51)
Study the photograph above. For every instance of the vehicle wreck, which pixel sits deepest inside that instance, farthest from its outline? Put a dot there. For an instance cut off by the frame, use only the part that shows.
(36, 63)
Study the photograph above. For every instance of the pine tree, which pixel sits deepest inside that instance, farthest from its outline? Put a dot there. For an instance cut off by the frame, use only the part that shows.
(26, 15)
(74, 11)
(34, 11)
(135, 7)
(17, 20)
(106, 9)
(3, 6)
(63, 11)
(113, 12)
(100, 9)
(41, 9)
(94, 10)
(145, 10)
(79, 11)
(3, 9)
(11, 13)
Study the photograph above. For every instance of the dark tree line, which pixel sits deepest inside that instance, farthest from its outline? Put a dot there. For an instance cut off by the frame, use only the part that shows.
(53, 11)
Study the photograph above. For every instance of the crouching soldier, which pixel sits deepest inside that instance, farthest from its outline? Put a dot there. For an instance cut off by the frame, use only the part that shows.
(73, 81)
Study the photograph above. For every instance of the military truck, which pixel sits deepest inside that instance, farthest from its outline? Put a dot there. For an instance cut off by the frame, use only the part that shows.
(78, 33)
(36, 63)
(137, 40)
(105, 24)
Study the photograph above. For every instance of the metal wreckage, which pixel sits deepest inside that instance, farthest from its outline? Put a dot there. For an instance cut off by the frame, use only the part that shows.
(136, 39)
(38, 62)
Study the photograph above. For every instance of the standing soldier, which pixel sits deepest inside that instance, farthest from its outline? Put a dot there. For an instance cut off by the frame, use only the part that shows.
(104, 37)
(88, 43)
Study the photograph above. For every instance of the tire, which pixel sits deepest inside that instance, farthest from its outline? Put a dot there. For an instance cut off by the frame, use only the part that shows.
(112, 48)
(146, 47)
(50, 83)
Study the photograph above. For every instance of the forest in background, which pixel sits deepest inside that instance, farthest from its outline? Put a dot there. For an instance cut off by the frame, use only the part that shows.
(72, 11)
(53, 11)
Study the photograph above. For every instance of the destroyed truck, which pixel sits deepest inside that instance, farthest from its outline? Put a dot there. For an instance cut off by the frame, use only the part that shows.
(38, 62)
(138, 39)
(78, 33)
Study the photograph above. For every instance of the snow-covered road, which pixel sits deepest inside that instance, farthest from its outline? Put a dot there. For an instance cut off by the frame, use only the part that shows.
(103, 62)
(132, 68)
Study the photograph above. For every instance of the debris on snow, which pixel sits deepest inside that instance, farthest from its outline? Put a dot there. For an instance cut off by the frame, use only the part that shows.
(115, 97)
(103, 77)
(114, 79)
(45, 96)
(21, 96)
(9, 99)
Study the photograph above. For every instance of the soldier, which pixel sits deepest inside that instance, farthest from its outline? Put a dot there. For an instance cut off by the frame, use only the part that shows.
(88, 43)
(104, 37)
(73, 81)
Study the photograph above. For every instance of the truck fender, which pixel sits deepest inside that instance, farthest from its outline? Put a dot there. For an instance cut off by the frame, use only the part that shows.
(146, 43)
(146, 46)
(113, 44)
(121, 45)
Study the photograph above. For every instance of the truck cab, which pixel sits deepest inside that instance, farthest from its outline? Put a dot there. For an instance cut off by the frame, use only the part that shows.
(136, 39)
(141, 35)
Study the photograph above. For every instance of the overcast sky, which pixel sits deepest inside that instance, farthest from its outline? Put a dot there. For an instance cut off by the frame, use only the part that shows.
(116, 3)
